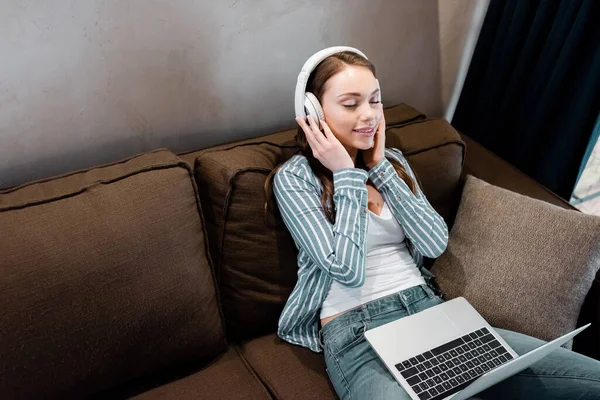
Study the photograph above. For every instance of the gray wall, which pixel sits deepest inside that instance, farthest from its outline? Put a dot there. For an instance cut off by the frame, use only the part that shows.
(88, 82)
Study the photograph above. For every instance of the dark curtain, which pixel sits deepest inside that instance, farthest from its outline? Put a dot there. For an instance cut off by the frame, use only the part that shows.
(532, 92)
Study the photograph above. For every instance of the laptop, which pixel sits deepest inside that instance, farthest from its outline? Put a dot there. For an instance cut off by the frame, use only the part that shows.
(450, 352)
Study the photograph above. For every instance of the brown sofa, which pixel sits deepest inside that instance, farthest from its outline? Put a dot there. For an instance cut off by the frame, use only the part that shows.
(158, 277)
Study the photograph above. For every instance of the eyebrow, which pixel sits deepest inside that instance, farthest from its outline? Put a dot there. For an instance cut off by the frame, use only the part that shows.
(356, 94)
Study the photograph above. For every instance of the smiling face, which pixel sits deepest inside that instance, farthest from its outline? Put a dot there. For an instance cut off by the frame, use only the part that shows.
(351, 107)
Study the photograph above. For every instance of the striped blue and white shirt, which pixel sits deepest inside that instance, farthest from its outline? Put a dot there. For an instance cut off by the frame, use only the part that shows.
(337, 251)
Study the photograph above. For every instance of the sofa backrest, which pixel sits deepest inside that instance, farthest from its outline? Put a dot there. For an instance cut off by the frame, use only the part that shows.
(255, 263)
(436, 153)
(104, 277)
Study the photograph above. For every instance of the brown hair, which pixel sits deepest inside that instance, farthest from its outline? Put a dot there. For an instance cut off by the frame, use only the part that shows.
(316, 85)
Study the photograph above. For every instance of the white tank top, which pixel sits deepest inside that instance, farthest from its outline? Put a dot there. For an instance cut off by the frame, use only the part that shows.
(389, 267)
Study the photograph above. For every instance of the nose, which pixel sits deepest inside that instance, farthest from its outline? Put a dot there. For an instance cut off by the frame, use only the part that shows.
(368, 112)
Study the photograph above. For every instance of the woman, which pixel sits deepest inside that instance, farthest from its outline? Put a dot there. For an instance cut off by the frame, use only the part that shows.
(362, 226)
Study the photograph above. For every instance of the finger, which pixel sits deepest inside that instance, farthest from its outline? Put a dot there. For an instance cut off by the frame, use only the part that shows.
(308, 132)
(303, 124)
(328, 134)
(381, 126)
(314, 135)
(315, 128)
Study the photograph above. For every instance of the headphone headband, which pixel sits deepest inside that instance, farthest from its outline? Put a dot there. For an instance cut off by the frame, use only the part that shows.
(308, 67)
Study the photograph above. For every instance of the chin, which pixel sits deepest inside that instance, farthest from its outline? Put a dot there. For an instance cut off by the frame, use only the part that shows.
(363, 144)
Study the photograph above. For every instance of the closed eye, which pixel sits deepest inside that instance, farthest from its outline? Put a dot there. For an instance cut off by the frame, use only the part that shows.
(350, 106)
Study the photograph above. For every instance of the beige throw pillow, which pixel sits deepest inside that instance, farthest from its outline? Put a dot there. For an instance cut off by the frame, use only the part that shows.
(524, 264)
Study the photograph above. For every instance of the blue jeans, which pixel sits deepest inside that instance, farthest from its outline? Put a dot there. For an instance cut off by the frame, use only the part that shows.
(357, 373)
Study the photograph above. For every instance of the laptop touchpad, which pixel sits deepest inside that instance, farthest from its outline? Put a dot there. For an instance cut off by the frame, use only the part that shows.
(415, 334)
(430, 328)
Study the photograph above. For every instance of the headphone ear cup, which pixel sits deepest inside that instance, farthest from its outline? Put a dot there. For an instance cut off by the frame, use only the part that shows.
(313, 107)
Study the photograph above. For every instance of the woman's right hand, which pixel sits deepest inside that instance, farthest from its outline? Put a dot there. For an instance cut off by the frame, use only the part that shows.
(326, 148)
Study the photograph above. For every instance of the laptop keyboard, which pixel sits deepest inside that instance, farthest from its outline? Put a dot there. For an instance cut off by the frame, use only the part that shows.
(448, 368)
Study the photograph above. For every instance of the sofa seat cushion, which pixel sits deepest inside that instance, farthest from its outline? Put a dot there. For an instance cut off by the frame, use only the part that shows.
(104, 277)
(290, 372)
(524, 264)
(227, 377)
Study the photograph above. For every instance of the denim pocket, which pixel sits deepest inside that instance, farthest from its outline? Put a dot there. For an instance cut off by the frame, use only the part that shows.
(427, 303)
(345, 339)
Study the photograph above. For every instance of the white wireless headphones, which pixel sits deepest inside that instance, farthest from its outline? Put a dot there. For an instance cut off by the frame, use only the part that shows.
(306, 103)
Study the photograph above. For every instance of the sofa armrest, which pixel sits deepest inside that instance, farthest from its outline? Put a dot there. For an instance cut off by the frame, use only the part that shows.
(486, 165)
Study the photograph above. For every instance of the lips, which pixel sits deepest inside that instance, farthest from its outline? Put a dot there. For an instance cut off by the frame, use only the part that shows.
(368, 132)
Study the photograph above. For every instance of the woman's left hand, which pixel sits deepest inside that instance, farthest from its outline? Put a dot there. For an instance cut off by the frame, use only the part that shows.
(376, 153)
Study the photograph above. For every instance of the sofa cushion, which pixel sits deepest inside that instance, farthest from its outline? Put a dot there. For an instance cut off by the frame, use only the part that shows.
(484, 164)
(290, 372)
(104, 277)
(227, 377)
(524, 264)
(256, 263)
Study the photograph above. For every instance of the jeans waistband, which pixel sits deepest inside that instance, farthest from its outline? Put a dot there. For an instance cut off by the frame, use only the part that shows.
(396, 301)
